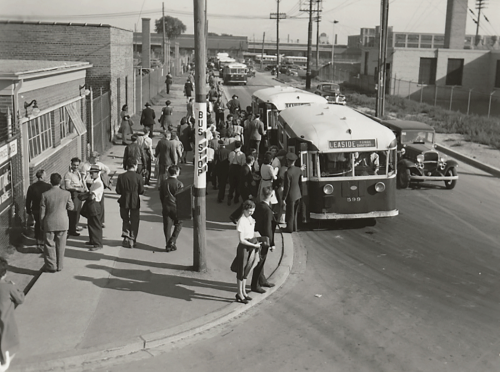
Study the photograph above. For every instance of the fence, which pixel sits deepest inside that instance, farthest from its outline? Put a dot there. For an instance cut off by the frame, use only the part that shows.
(148, 85)
(99, 110)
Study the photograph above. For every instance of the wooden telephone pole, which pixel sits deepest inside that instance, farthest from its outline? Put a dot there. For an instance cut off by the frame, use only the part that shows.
(382, 58)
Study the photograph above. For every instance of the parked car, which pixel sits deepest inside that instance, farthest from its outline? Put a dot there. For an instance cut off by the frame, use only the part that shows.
(327, 89)
(418, 159)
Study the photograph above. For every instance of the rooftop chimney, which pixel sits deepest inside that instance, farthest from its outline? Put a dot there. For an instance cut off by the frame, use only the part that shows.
(146, 43)
(456, 17)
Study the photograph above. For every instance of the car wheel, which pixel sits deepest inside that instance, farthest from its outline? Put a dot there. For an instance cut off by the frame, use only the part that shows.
(451, 183)
(403, 178)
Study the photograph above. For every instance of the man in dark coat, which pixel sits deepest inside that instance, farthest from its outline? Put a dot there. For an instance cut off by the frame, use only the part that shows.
(169, 188)
(291, 192)
(265, 224)
(129, 186)
(246, 179)
(136, 152)
(168, 81)
(255, 131)
(221, 169)
(166, 152)
(148, 117)
(234, 104)
(33, 198)
(55, 223)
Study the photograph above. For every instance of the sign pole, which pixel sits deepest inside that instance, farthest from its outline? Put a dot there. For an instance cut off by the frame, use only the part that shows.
(200, 149)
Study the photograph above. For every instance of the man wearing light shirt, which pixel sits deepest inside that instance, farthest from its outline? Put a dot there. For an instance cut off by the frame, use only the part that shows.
(236, 160)
(74, 183)
(94, 222)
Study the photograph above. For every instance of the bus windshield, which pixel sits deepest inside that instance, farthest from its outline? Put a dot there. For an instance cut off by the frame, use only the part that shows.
(237, 71)
(357, 164)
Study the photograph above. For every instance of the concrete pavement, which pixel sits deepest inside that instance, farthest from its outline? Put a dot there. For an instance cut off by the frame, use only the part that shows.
(117, 301)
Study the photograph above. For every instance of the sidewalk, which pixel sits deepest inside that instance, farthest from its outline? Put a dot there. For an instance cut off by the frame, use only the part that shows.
(118, 301)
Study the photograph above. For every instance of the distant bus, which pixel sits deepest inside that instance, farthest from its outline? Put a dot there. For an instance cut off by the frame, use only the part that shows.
(269, 102)
(348, 161)
(235, 73)
(268, 58)
(296, 60)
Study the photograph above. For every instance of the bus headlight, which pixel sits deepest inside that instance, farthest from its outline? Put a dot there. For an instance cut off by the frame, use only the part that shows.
(328, 189)
(420, 158)
(379, 187)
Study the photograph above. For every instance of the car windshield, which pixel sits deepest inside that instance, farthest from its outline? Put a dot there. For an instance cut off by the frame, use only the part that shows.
(370, 163)
(417, 136)
(330, 87)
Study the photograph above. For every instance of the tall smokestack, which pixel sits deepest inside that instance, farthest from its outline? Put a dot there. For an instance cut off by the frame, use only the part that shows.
(146, 42)
(456, 17)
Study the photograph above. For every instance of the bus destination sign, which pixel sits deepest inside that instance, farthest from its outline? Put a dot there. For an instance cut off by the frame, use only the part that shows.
(352, 144)
(287, 105)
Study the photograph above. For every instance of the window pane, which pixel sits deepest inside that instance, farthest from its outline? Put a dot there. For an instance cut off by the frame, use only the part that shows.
(455, 71)
(427, 71)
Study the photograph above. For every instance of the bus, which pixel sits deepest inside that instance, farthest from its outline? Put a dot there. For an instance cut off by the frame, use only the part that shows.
(269, 102)
(295, 60)
(349, 162)
(235, 73)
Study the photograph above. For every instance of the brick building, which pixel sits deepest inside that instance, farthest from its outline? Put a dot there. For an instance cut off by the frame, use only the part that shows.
(42, 126)
(109, 49)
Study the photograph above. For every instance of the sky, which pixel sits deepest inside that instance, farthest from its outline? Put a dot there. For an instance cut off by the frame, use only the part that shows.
(251, 18)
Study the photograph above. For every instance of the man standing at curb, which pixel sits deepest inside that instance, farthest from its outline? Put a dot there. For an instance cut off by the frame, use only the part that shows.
(166, 152)
(236, 160)
(33, 198)
(148, 117)
(129, 186)
(291, 192)
(255, 132)
(169, 188)
(55, 223)
(74, 183)
(265, 224)
(221, 169)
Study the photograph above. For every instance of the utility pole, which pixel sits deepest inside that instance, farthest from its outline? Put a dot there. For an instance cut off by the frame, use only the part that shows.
(309, 42)
(480, 4)
(333, 50)
(382, 58)
(317, 34)
(262, 54)
(277, 16)
(163, 32)
(200, 148)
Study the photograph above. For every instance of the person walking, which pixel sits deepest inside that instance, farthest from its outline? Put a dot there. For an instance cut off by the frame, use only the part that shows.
(126, 129)
(255, 132)
(184, 133)
(169, 188)
(146, 143)
(33, 198)
(236, 161)
(188, 89)
(148, 117)
(55, 223)
(74, 183)
(166, 115)
(219, 112)
(129, 186)
(94, 224)
(179, 147)
(265, 225)
(10, 298)
(169, 80)
(166, 152)
(189, 109)
(135, 152)
(247, 252)
(291, 192)
(221, 169)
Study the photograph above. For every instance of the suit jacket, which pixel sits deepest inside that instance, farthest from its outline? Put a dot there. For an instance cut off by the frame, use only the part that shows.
(148, 116)
(129, 185)
(291, 191)
(264, 220)
(256, 130)
(245, 184)
(166, 152)
(34, 196)
(53, 209)
(136, 151)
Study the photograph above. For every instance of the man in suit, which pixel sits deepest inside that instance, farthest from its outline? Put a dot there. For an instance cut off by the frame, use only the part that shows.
(291, 192)
(234, 104)
(221, 166)
(33, 198)
(265, 224)
(236, 161)
(130, 185)
(255, 131)
(55, 223)
(166, 152)
(246, 179)
(148, 117)
(75, 184)
(136, 152)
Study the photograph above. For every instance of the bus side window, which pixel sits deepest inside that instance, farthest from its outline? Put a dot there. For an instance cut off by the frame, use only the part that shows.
(313, 167)
(304, 166)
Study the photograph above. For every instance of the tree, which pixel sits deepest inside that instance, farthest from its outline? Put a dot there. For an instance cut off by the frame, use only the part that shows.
(173, 27)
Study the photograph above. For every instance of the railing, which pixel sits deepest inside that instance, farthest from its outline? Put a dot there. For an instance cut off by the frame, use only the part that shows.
(148, 85)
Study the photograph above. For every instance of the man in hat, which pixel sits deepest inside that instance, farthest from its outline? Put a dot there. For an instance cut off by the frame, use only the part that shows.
(33, 198)
(234, 104)
(188, 89)
(166, 152)
(221, 167)
(255, 130)
(136, 152)
(94, 221)
(291, 192)
(236, 160)
(148, 117)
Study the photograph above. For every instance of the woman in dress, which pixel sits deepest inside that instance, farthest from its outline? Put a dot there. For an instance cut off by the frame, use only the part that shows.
(247, 253)
(126, 129)
(166, 116)
(184, 132)
(268, 174)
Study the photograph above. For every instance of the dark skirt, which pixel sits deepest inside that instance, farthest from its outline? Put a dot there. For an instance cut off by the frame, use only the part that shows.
(244, 261)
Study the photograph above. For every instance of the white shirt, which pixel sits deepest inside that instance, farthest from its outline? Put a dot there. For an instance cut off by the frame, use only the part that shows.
(246, 226)
(97, 189)
(210, 154)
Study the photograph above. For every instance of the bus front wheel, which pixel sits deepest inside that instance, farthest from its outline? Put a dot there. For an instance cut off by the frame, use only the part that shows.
(403, 178)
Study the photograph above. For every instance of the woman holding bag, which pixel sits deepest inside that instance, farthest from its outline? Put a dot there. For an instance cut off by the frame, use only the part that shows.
(247, 252)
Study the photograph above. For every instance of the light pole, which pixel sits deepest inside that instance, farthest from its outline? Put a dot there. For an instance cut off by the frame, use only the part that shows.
(333, 50)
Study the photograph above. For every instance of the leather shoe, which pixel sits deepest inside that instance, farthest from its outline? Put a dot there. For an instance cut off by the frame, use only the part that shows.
(268, 284)
(74, 233)
(94, 248)
(258, 290)
(46, 270)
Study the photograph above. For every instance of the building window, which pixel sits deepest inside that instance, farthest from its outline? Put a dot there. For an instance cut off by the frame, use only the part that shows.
(412, 41)
(427, 71)
(66, 124)
(497, 76)
(400, 41)
(455, 71)
(40, 134)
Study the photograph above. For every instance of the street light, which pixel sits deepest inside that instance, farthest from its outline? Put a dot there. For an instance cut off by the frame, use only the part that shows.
(333, 49)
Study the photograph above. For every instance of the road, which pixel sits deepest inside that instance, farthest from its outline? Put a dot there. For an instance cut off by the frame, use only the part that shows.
(418, 292)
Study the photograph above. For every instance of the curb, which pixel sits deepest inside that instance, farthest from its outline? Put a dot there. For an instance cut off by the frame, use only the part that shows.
(468, 160)
(95, 357)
